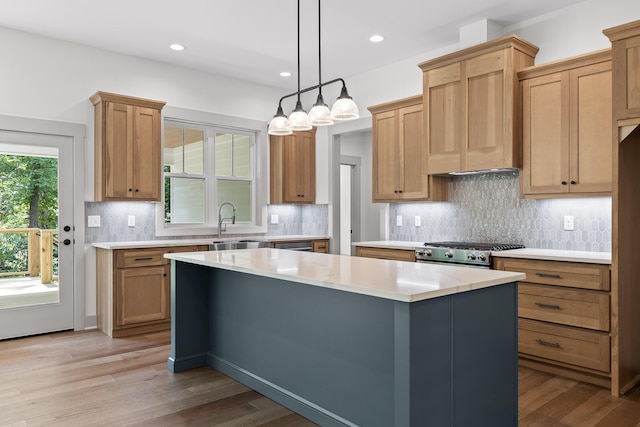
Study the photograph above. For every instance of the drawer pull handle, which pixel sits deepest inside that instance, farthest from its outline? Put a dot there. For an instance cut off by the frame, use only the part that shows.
(543, 305)
(548, 344)
(552, 276)
(144, 259)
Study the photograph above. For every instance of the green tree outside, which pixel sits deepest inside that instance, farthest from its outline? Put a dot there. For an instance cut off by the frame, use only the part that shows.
(28, 199)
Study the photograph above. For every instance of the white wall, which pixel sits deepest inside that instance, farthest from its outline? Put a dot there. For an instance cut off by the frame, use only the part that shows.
(359, 145)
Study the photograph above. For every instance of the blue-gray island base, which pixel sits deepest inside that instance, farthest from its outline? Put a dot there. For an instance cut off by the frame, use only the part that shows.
(342, 358)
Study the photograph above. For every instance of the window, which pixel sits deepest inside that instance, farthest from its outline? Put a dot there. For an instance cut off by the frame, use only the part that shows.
(205, 165)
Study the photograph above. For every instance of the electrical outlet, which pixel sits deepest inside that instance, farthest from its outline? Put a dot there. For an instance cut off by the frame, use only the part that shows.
(568, 222)
(399, 221)
(131, 221)
(93, 221)
(418, 220)
(274, 219)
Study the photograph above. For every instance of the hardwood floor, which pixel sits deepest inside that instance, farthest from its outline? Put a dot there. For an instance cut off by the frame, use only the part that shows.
(89, 379)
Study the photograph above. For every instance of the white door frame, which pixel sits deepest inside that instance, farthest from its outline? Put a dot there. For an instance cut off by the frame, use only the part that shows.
(75, 131)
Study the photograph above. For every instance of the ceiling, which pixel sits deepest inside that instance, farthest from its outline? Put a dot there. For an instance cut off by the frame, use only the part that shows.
(255, 40)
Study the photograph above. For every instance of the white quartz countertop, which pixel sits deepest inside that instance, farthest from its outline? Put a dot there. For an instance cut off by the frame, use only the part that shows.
(529, 253)
(186, 242)
(395, 280)
(389, 244)
(557, 255)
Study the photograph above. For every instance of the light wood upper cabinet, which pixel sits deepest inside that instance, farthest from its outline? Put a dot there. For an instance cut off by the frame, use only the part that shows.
(127, 148)
(399, 154)
(293, 168)
(471, 106)
(567, 127)
(626, 58)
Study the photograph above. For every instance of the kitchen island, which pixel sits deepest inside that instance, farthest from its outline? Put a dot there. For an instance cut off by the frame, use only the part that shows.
(352, 341)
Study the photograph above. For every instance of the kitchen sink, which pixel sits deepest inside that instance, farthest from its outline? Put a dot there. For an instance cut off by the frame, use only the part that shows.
(237, 244)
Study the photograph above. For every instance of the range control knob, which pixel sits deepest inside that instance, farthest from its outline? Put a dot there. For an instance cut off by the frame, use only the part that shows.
(449, 254)
(428, 252)
(471, 256)
(482, 257)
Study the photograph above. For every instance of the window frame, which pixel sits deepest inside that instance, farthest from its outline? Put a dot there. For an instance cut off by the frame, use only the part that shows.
(256, 130)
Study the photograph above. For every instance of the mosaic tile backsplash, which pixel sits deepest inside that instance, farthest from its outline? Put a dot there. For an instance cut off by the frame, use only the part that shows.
(310, 220)
(488, 208)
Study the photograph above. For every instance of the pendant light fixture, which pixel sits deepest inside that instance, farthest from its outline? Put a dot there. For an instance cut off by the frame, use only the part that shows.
(343, 109)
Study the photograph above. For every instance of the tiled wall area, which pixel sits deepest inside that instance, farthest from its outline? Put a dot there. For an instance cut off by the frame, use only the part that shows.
(488, 207)
(298, 220)
(311, 220)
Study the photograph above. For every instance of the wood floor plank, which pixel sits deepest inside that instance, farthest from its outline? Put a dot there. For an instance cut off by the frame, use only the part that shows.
(88, 379)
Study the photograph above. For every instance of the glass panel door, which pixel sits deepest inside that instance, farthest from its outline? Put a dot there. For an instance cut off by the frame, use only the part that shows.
(36, 233)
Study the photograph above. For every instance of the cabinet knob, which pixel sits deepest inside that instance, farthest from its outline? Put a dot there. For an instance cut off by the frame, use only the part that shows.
(137, 190)
(399, 191)
(131, 190)
(564, 182)
(573, 182)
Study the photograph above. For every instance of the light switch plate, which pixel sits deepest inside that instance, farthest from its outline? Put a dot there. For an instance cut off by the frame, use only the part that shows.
(274, 219)
(131, 221)
(93, 221)
(399, 221)
(568, 222)
(418, 221)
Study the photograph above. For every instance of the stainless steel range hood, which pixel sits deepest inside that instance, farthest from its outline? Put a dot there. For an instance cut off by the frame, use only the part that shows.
(483, 171)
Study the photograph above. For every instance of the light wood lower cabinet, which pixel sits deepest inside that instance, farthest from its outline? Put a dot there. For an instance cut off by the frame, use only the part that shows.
(320, 246)
(564, 318)
(134, 289)
(384, 253)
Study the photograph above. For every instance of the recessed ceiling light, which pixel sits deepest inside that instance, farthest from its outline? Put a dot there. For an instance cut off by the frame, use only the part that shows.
(177, 46)
(376, 38)
(285, 74)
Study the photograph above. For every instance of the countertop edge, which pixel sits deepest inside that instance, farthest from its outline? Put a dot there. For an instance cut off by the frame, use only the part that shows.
(591, 257)
(500, 278)
(143, 244)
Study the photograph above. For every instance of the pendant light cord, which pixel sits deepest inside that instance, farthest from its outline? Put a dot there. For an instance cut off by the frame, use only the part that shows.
(298, 50)
(319, 52)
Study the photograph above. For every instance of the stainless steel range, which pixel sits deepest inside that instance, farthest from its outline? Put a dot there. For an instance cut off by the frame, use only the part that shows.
(471, 254)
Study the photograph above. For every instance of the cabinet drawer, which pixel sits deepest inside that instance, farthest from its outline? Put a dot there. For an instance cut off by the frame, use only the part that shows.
(321, 246)
(559, 273)
(585, 309)
(587, 349)
(139, 258)
(382, 253)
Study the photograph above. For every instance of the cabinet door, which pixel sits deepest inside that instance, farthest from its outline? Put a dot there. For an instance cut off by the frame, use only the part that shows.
(591, 129)
(142, 295)
(413, 175)
(299, 153)
(387, 156)
(145, 154)
(444, 118)
(626, 57)
(489, 136)
(545, 134)
(119, 140)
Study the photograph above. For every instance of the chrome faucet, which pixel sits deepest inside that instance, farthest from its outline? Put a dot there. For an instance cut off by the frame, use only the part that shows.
(220, 218)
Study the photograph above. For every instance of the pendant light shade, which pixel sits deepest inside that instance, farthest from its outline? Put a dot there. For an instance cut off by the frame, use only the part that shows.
(344, 108)
(320, 115)
(279, 125)
(298, 119)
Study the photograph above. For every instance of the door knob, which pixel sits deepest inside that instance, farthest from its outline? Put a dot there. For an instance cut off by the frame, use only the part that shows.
(67, 228)
(66, 242)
